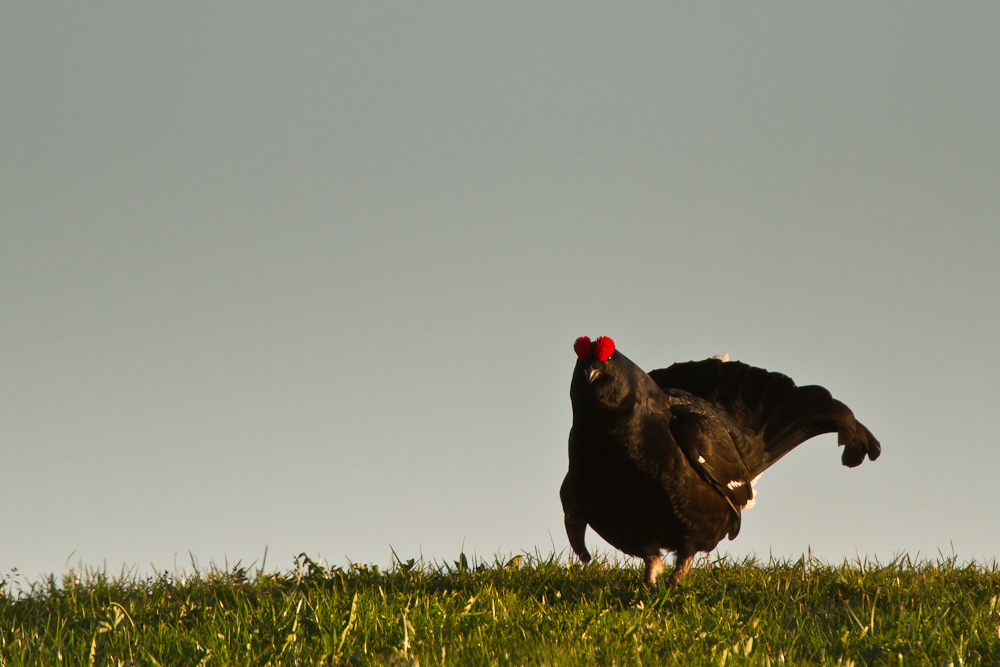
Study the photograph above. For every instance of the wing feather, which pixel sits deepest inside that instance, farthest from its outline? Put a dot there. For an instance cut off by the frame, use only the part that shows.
(709, 447)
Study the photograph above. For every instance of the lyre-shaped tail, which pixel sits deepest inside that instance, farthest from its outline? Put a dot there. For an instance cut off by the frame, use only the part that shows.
(771, 407)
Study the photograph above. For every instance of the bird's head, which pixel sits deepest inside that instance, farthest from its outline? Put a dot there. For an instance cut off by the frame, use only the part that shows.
(603, 377)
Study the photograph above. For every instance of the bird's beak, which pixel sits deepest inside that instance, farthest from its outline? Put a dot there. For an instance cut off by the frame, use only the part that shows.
(593, 375)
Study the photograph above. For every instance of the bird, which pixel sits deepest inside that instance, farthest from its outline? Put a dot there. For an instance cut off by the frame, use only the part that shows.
(668, 460)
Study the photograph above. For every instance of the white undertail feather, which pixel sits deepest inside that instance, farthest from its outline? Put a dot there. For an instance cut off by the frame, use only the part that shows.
(753, 498)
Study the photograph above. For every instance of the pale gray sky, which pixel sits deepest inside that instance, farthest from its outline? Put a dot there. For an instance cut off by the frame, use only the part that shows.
(308, 276)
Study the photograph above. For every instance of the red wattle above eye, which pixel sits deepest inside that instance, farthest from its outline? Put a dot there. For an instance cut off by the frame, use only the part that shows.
(582, 347)
(604, 347)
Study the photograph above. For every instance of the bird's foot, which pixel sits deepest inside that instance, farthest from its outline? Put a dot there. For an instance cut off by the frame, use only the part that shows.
(682, 567)
(654, 566)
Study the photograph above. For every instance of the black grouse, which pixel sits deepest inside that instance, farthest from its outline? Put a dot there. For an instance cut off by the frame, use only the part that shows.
(666, 460)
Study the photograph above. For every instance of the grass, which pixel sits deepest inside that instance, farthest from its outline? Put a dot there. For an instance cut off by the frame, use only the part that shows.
(528, 610)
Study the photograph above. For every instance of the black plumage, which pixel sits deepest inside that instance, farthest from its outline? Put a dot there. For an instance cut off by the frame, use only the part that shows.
(666, 460)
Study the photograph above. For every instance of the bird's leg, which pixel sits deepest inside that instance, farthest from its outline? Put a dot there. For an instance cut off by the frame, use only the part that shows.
(684, 559)
(654, 566)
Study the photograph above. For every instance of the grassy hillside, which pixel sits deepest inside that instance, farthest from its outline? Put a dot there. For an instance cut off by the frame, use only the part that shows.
(526, 610)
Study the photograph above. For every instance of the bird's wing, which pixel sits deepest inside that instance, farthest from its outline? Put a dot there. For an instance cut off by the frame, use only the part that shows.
(576, 526)
(708, 444)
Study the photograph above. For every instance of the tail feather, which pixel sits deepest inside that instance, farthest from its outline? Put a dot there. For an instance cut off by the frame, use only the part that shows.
(771, 408)
(857, 440)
